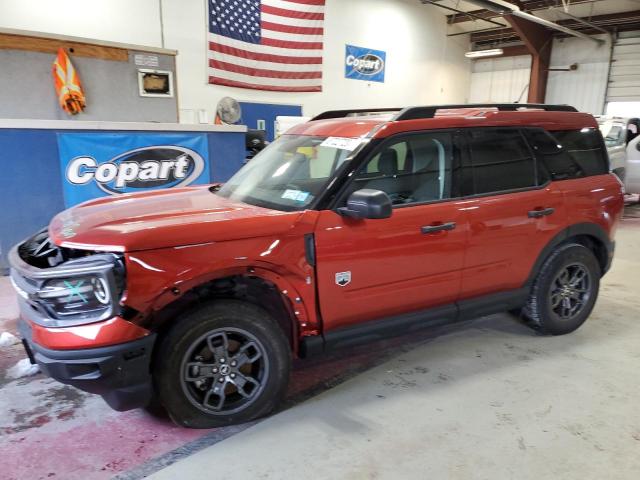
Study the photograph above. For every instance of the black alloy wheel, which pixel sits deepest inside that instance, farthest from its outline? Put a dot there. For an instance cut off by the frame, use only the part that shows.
(225, 362)
(570, 292)
(224, 371)
(565, 290)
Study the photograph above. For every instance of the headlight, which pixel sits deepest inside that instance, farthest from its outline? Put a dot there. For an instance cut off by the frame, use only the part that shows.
(79, 296)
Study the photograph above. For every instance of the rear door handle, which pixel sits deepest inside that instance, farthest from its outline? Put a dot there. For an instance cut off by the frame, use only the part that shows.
(438, 228)
(543, 212)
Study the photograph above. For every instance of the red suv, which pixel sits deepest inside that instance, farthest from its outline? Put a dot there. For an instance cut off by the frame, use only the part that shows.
(350, 227)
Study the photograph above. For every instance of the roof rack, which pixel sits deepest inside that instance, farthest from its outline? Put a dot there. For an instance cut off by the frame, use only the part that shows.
(413, 113)
(348, 113)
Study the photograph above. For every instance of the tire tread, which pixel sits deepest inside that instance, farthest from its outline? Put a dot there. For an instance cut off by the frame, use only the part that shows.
(217, 314)
(535, 311)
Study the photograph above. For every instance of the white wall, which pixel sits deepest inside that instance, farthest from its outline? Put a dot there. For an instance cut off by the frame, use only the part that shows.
(584, 88)
(126, 21)
(500, 79)
(423, 65)
(503, 79)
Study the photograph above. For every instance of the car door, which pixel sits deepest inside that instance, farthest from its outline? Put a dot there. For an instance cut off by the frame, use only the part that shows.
(615, 136)
(513, 210)
(632, 174)
(375, 268)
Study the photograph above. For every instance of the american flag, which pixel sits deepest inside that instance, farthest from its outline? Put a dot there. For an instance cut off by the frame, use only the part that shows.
(266, 44)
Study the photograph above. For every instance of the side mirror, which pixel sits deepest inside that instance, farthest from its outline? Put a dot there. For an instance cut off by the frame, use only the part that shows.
(367, 203)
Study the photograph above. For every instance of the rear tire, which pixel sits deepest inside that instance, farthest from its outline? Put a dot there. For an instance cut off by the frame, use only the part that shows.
(565, 291)
(226, 362)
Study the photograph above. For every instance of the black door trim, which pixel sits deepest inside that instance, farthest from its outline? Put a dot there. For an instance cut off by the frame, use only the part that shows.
(401, 324)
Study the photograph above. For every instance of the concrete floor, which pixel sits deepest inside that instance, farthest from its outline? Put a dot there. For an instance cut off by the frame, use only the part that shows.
(483, 399)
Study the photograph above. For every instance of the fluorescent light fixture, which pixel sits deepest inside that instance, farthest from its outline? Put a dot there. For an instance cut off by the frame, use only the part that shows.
(494, 52)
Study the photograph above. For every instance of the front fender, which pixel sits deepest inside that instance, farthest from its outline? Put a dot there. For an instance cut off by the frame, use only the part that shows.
(157, 278)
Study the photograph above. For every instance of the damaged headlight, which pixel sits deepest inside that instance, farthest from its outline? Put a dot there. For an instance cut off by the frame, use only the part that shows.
(83, 295)
(63, 287)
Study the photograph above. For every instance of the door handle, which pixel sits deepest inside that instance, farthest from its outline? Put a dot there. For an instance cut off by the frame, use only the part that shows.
(543, 212)
(438, 228)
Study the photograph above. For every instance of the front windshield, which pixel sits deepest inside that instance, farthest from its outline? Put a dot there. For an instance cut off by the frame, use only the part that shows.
(290, 172)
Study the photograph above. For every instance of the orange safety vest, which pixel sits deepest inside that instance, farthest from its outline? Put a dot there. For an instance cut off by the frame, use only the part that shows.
(67, 83)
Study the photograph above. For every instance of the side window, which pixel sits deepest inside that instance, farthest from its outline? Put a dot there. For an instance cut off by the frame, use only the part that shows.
(553, 160)
(401, 150)
(413, 169)
(585, 150)
(500, 160)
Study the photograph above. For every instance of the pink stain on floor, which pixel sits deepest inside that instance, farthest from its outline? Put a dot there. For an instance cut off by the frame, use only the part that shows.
(51, 446)
(94, 449)
(90, 440)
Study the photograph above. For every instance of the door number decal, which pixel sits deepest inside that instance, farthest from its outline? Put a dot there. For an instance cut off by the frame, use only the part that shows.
(343, 278)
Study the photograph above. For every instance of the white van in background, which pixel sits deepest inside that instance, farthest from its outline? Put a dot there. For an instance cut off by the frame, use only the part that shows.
(632, 171)
(622, 137)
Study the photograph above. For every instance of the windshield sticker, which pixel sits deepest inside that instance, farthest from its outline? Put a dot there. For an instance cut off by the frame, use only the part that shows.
(341, 143)
(296, 195)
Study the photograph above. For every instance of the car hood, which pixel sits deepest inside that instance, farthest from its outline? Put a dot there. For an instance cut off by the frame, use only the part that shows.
(165, 218)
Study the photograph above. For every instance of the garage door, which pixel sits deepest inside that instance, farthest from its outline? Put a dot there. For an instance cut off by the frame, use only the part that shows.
(500, 80)
(624, 77)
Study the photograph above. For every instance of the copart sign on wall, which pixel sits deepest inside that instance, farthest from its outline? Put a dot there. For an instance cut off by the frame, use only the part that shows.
(98, 164)
(364, 64)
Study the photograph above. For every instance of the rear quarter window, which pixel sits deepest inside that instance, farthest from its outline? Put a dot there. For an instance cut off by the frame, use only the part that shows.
(576, 153)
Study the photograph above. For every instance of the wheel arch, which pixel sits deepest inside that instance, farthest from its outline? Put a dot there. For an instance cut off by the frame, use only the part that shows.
(591, 235)
(258, 286)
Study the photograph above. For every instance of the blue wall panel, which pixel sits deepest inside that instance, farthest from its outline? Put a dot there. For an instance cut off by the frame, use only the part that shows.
(30, 185)
(252, 112)
(31, 181)
(226, 154)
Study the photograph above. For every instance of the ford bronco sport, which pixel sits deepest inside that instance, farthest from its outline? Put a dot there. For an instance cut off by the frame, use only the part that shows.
(350, 227)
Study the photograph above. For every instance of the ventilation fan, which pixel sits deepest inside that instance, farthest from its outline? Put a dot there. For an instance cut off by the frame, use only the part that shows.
(228, 111)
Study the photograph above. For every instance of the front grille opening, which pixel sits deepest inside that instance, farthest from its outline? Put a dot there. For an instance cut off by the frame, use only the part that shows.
(40, 252)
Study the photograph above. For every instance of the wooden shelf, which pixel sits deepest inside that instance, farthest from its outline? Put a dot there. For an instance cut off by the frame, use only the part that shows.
(49, 45)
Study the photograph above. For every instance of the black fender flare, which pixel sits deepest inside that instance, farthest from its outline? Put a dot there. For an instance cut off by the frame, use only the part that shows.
(579, 229)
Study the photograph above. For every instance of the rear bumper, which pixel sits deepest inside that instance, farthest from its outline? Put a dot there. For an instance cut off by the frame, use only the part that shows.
(119, 373)
(611, 248)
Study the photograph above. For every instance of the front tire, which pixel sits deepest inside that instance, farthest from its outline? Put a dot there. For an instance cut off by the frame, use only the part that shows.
(565, 291)
(226, 362)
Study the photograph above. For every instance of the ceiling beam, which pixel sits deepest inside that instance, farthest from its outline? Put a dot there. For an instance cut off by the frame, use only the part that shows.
(538, 42)
(620, 21)
(507, 8)
(459, 12)
(515, 51)
(526, 6)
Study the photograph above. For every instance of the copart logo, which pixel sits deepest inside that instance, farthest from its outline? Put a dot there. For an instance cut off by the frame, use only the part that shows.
(368, 64)
(144, 168)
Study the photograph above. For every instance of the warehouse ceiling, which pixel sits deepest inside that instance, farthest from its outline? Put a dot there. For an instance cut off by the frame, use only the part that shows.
(488, 28)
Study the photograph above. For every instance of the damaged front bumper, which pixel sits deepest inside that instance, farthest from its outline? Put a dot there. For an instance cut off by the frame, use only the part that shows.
(70, 305)
(119, 373)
